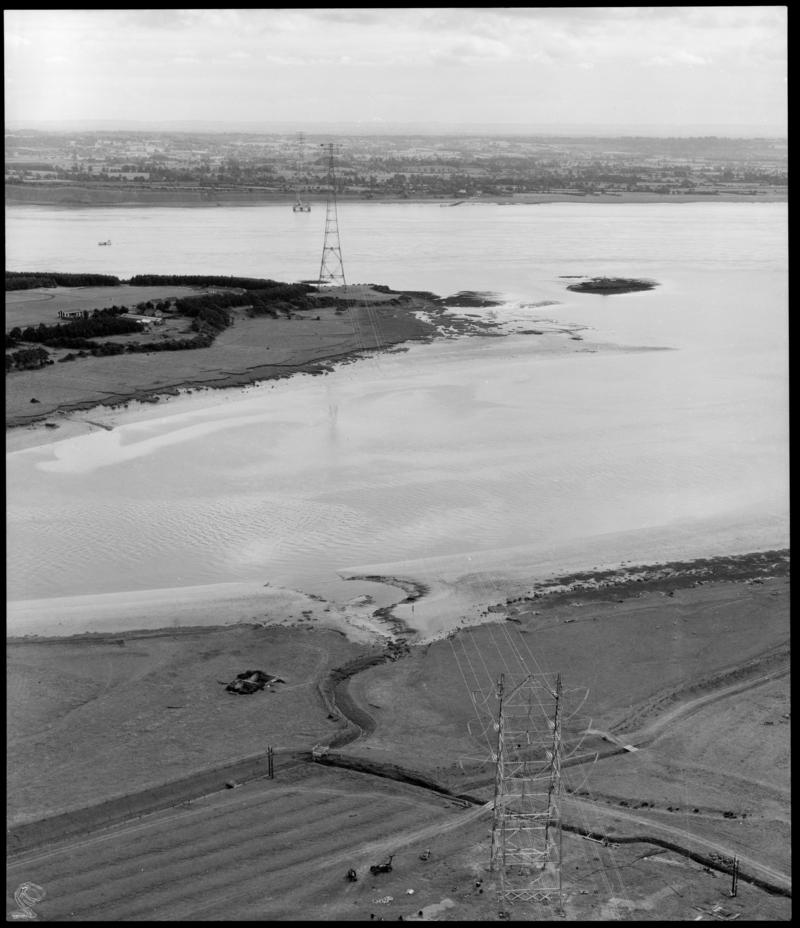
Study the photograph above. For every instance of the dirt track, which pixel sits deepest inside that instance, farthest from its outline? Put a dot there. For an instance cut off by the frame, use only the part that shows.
(679, 837)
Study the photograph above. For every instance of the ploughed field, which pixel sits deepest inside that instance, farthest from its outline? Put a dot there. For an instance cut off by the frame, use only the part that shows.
(280, 849)
(275, 849)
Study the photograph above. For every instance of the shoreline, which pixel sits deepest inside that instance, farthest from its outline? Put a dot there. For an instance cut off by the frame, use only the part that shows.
(86, 197)
(382, 323)
(245, 603)
(63, 420)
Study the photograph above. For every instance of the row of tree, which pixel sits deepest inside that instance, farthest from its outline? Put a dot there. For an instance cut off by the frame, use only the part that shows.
(23, 280)
(26, 280)
(206, 280)
(103, 349)
(75, 334)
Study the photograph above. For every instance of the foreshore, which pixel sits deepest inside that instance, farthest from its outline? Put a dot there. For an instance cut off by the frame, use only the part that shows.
(253, 350)
(62, 401)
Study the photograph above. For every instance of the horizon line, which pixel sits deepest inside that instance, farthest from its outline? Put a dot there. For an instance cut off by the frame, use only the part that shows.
(372, 127)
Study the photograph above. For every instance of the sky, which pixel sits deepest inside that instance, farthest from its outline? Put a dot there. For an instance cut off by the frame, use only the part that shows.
(649, 69)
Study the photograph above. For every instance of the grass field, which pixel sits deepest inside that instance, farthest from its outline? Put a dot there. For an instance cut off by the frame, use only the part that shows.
(30, 307)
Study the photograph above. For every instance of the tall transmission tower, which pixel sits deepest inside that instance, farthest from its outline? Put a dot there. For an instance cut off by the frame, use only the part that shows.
(331, 269)
(526, 828)
(301, 205)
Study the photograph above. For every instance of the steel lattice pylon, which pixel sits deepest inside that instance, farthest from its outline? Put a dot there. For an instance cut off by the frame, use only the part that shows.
(331, 269)
(526, 829)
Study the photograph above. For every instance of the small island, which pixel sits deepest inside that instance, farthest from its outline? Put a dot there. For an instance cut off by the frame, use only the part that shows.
(607, 285)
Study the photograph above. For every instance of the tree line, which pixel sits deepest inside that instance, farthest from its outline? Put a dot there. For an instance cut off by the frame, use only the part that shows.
(26, 280)
(78, 332)
(23, 280)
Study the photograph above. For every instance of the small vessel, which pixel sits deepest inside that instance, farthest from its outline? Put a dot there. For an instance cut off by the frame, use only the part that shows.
(106, 242)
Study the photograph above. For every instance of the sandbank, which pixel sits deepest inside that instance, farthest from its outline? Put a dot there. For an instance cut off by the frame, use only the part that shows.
(472, 588)
(188, 608)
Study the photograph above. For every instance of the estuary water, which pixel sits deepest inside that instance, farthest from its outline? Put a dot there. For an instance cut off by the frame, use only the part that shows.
(666, 437)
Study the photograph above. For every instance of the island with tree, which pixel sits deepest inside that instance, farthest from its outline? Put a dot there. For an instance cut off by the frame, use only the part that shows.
(607, 285)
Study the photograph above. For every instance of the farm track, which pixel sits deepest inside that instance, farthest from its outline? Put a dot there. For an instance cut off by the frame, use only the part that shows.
(684, 842)
(712, 690)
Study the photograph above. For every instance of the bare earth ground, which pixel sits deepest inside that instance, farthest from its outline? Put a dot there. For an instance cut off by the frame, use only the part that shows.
(694, 677)
(279, 849)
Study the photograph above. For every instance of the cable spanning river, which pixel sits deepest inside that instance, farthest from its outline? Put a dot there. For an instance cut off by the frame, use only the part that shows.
(666, 437)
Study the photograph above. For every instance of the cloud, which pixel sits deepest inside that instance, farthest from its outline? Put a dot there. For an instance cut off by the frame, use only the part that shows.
(410, 58)
(13, 40)
(353, 17)
(472, 48)
(677, 58)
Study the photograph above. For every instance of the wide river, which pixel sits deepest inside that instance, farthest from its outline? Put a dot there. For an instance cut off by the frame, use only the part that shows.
(477, 455)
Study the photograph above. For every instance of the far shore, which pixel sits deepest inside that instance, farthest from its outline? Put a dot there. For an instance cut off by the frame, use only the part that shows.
(80, 197)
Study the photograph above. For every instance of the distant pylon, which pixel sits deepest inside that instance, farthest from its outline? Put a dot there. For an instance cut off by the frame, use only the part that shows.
(331, 269)
(526, 830)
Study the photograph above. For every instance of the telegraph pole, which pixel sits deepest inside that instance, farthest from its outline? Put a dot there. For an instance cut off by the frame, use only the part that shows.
(735, 877)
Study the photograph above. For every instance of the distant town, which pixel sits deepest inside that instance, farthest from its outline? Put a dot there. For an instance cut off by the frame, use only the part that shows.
(394, 166)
